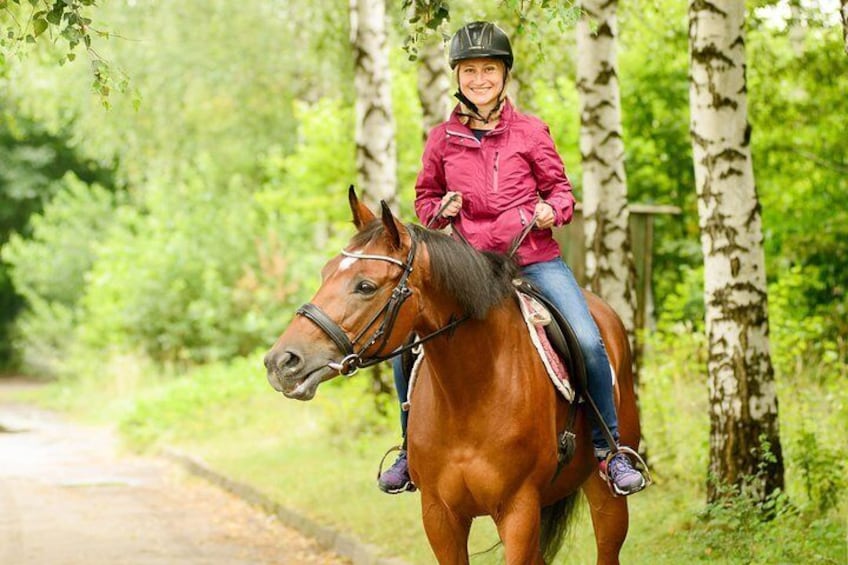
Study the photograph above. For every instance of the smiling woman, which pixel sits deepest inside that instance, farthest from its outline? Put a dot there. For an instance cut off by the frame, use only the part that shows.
(482, 81)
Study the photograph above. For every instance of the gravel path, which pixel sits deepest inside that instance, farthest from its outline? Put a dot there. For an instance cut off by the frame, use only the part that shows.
(68, 496)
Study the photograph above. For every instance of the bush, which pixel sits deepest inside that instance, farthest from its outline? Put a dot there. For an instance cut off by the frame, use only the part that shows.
(49, 269)
(183, 280)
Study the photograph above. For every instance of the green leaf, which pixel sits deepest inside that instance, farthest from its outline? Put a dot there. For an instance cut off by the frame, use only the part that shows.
(55, 15)
(39, 26)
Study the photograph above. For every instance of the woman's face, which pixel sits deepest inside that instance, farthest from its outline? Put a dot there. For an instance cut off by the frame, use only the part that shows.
(481, 80)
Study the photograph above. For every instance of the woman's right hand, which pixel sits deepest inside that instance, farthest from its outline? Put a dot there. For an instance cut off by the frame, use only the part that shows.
(452, 209)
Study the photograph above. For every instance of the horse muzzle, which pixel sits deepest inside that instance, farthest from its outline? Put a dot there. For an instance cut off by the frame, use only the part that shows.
(290, 374)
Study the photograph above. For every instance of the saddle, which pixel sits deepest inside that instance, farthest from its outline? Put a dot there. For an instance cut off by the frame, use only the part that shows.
(563, 339)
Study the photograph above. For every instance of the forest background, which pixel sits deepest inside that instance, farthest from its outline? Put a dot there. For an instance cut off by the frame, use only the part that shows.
(156, 239)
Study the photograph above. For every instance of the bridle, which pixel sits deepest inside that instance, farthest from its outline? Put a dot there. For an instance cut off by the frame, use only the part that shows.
(354, 359)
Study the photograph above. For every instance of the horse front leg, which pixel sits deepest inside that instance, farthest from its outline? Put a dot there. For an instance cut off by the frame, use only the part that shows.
(519, 529)
(447, 532)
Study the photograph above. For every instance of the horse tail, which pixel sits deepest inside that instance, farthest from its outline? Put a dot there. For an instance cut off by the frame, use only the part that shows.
(555, 525)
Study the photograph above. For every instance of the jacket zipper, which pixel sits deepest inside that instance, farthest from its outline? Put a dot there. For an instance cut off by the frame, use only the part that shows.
(495, 175)
(523, 218)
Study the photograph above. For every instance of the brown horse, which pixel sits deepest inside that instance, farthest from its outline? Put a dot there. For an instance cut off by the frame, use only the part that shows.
(484, 417)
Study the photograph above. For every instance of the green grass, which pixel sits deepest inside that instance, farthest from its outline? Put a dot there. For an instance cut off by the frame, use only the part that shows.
(320, 458)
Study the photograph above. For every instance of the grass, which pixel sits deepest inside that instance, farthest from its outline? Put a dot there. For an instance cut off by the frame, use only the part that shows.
(320, 459)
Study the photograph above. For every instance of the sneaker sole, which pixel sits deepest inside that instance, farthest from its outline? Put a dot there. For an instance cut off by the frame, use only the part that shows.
(407, 487)
(634, 490)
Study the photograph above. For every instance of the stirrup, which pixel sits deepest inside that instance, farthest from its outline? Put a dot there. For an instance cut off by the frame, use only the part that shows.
(398, 447)
(638, 464)
(408, 487)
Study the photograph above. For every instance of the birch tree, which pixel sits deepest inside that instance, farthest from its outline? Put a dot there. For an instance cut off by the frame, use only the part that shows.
(845, 24)
(745, 448)
(609, 261)
(427, 20)
(376, 152)
(434, 83)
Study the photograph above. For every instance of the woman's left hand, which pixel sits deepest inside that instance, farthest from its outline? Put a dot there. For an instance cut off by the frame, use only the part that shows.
(544, 215)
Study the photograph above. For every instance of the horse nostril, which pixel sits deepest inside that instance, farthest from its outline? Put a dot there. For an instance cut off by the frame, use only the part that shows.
(290, 361)
(286, 361)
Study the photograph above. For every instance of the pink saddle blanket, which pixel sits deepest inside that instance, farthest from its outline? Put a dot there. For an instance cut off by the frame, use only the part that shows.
(537, 316)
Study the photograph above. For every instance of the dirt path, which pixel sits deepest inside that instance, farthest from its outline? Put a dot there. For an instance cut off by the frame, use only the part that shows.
(67, 497)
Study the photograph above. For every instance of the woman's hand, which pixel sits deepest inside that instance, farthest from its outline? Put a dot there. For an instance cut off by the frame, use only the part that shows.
(544, 215)
(454, 207)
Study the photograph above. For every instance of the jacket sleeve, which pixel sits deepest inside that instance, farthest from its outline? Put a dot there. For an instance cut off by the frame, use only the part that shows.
(431, 186)
(552, 183)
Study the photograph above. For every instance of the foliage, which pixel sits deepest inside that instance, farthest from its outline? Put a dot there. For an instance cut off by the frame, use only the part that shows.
(797, 77)
(48, 269)
(23, 24)
(34, 159)
(51, 264)
(175, 280)
(199, 403)
(734, 530)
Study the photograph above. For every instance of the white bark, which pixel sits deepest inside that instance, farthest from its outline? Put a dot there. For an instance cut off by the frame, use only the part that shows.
(845, 24)
(376, 152)
(609, 261)
(434, 83)
(743, 400)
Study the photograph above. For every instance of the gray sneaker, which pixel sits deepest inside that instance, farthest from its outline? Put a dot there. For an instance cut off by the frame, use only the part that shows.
(395, 479)
(622, 476)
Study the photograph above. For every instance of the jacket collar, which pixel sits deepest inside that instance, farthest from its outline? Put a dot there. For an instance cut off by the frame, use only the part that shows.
(507, 114)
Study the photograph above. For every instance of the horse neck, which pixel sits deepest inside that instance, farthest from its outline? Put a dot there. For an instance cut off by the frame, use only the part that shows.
(471, 354)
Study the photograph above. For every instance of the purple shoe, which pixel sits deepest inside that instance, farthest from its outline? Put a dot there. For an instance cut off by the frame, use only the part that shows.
(395, 479)
(623, 478)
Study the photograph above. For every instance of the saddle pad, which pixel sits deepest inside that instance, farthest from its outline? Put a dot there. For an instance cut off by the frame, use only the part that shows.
(536, 316)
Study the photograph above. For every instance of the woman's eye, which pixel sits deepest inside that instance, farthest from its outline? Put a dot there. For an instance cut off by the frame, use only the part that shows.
(366, 287)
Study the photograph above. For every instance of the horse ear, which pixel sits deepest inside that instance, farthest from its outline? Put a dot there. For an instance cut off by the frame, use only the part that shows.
(362, 215)
(393, 227)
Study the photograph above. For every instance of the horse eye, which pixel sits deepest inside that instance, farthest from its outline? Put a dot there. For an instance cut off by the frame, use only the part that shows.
(366, 287)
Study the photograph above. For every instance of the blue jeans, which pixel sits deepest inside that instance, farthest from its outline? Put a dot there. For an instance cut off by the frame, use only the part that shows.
(556, 281)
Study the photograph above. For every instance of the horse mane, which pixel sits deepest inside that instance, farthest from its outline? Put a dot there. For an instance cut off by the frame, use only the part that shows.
(477, 280)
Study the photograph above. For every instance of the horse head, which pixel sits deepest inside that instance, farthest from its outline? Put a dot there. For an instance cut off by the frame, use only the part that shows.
(363, 310)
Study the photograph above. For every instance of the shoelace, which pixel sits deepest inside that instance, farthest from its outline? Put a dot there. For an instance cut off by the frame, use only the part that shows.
(619, 466)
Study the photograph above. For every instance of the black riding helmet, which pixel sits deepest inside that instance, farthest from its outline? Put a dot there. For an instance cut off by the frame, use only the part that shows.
(480, 39)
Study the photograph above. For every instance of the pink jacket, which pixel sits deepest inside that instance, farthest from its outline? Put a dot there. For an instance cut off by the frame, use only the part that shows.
(501, 178)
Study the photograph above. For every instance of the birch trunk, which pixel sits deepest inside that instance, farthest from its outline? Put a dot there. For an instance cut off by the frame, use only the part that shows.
(375, 126)
(434, 83)
(845, 24)
(745, 448)
(609, 260)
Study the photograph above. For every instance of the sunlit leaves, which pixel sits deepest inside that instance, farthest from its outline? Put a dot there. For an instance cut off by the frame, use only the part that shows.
(61, 22)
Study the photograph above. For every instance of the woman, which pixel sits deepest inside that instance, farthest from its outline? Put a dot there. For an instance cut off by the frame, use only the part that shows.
(490, 170)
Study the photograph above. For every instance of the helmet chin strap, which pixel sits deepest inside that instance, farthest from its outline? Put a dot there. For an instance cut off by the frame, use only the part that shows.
(473, 107)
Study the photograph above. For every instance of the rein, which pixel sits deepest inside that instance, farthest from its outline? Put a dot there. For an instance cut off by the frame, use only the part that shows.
(354, 360)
